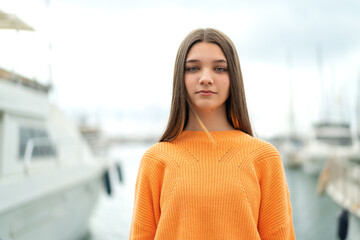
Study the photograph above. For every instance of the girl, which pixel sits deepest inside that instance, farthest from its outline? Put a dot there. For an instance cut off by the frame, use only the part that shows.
(208, 177)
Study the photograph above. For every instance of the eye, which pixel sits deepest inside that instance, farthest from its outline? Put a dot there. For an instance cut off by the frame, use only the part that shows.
(191, 69)
(220, 69)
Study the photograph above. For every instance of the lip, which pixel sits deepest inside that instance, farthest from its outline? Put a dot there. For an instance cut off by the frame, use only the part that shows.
(205, 92)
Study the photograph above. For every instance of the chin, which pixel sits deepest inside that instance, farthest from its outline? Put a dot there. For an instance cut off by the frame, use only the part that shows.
(206, 108)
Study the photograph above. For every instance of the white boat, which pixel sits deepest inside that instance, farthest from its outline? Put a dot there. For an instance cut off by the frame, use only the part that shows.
(343, 186)
(326, 142)
(49, 178)
(343, 183)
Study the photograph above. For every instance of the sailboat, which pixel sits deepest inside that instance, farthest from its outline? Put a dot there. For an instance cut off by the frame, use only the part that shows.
(331, 136)
(327, 140)
(343, 185)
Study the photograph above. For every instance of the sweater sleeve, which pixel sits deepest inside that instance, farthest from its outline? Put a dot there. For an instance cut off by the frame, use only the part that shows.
(275, 214)
(146, 211)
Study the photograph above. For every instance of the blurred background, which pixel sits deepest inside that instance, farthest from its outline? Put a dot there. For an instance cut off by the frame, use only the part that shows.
(107, 66)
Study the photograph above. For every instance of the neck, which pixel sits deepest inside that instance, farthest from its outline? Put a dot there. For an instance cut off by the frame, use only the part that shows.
(213, 120)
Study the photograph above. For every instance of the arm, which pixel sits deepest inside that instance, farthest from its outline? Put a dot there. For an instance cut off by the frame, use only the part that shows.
(275, 215)
(146, 212)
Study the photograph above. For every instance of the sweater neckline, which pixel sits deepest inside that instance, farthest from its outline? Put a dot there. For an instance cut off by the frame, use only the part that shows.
(219, 136)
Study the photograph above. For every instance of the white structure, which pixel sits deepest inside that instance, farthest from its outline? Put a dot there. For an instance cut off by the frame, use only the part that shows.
(49, 179)
(344, 188)
(327, 141)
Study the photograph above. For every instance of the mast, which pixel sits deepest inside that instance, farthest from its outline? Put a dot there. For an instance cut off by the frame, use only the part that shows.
(291, 97)
(357, 111)
(323, 106)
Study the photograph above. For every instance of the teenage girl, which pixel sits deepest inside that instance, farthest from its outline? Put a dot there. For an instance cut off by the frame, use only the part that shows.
(208, 177)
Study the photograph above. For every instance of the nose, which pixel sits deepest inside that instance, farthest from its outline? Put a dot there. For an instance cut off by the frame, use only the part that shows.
(206, 78)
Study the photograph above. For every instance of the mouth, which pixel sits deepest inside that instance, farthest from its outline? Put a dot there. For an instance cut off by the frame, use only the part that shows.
(206, 92)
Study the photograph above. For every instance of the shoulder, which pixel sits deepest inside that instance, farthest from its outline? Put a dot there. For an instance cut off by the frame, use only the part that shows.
(160, 153)
(264, 159)
(159, 158)
(256, 150)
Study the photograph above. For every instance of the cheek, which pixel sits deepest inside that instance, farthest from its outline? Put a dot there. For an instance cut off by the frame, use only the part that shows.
(226, 86)
(188, 84)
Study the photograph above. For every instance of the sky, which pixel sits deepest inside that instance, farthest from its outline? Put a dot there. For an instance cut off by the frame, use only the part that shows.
(113, 60)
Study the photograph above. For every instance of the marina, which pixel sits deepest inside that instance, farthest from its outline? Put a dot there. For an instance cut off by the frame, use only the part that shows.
(62, 178)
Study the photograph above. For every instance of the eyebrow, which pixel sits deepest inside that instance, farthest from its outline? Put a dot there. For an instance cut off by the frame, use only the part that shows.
(215, 61)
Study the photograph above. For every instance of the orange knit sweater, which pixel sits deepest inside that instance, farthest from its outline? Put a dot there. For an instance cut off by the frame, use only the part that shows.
(192, 189)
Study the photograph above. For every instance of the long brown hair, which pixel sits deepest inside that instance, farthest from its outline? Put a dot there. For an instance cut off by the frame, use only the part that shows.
(236, 108)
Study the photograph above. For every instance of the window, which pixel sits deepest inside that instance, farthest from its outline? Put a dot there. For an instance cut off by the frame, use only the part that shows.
(43, 147)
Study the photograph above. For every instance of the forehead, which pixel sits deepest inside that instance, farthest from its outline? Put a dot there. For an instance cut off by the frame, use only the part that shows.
(205, 51)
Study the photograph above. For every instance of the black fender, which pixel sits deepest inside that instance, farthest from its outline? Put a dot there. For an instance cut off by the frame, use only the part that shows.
(119, 171)
(343, 224)
(107, 182)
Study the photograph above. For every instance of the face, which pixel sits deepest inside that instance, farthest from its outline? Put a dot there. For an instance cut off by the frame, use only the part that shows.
(207, 79)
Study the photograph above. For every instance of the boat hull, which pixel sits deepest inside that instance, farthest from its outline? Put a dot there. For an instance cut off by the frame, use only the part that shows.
(48, 217)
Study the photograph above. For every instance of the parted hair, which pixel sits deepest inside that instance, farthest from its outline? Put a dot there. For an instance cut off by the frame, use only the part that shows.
(236, 107)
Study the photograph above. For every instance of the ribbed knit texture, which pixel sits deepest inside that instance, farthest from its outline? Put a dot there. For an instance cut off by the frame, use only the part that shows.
(192, 189)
